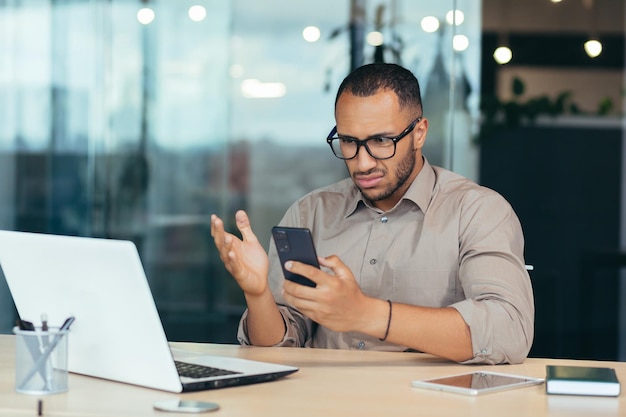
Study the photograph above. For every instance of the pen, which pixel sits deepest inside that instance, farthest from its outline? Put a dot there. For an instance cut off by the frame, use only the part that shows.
(44, 330)
(31, 343)
(46, 353)
(45, 339)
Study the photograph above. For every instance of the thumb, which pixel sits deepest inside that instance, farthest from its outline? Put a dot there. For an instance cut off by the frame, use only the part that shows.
(243, 224)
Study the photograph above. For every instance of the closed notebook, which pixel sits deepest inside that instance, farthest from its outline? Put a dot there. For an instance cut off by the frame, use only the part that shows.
(581, 380)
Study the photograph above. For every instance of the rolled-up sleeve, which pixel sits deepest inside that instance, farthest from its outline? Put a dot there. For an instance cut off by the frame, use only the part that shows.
(297, 327)
(499, 305)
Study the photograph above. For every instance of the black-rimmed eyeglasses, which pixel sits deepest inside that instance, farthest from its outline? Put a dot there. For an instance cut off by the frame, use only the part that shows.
(345, 147)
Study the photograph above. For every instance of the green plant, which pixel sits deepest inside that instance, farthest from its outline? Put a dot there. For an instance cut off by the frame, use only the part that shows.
(499, 115)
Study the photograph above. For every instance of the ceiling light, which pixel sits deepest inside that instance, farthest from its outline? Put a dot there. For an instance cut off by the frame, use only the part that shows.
(593, 48)
(311, 34)
(502, 55)
(145, 16)
(430, 24)
(374, 38)
(455, 17)
(197, 13)
(460, 43)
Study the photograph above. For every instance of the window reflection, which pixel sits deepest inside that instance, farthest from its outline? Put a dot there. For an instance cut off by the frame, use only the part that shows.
(117, 128)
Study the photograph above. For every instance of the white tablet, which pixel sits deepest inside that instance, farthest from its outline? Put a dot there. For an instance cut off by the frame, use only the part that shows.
(477, 382)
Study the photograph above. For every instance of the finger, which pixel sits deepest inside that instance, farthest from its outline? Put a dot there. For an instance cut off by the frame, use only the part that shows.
(311, 272)
(295, 293)
(226, 245)
(216, 224)
(223, 241)
(243, 224)
(305, 306)
(335, 265)
(226, 250)
(217, 231)
(235, 267)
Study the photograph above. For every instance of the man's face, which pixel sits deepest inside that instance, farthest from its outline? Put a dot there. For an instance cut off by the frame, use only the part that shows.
(383, 182)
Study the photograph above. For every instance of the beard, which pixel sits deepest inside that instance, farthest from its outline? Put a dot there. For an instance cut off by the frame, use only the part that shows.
(403, 172)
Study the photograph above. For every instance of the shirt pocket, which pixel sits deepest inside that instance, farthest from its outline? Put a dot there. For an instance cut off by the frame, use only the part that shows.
(426, 288)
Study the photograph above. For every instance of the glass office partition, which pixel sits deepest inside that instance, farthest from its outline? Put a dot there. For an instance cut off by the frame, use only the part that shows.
(138, 119)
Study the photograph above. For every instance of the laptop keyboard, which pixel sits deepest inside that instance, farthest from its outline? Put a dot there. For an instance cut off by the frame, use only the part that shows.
(191, 370)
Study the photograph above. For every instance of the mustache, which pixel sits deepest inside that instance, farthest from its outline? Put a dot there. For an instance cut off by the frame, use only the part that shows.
(370, 172)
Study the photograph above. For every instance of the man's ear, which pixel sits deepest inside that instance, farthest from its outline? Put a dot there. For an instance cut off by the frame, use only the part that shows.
(419, 137)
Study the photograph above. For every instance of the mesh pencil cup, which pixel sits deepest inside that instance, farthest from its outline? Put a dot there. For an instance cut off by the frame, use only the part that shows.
(41, 361)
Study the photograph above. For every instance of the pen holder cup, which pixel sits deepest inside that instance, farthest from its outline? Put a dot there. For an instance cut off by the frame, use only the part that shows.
(41, 361)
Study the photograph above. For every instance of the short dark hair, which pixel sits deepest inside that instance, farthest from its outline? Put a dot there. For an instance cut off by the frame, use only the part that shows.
(367, 80)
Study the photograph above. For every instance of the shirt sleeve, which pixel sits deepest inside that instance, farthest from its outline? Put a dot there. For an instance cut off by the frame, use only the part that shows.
(499, 306)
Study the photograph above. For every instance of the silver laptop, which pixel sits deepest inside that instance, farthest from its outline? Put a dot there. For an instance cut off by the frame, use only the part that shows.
(117, 334)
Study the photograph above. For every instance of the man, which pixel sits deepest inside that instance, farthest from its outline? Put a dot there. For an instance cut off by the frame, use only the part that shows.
(412, 256)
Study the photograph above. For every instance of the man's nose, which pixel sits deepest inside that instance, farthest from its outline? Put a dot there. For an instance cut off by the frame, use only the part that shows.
(364, 160)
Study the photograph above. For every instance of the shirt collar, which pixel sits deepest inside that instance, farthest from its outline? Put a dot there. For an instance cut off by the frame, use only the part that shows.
(419, 192)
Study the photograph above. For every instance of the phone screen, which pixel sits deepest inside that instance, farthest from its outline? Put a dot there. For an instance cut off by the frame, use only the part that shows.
(295, 244)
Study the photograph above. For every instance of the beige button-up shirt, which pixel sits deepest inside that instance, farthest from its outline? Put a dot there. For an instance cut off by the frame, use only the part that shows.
(448, 242)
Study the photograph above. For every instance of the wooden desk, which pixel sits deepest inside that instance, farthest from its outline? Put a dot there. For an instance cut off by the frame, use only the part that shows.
(329, 383)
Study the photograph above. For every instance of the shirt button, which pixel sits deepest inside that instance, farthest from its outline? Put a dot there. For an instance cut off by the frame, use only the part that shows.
(483, 351)
(384, 219)
(373, 261)
(361, 344)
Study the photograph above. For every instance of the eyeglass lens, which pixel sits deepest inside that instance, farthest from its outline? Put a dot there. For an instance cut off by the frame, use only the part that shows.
(380, 148)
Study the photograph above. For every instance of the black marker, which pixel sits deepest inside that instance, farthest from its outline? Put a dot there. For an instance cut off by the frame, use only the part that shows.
(25, 325)
(31, 342)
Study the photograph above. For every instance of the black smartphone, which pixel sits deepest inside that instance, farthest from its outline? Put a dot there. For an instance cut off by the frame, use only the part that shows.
(295, 244)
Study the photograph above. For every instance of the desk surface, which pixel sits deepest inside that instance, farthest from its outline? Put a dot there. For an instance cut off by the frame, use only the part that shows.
(329, 383)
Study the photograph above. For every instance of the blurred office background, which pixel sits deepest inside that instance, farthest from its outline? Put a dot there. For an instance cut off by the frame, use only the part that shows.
(137, 120)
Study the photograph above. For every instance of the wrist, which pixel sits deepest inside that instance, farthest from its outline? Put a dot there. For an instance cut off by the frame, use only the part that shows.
(375, 319)
(262, 297)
